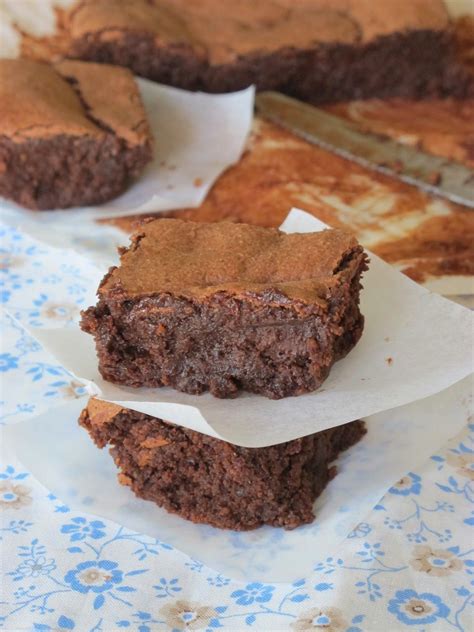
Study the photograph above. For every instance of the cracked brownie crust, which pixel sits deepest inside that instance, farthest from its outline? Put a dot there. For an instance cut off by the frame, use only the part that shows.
(226, 307)
(72, 134)
(318, 50)
(206, 480)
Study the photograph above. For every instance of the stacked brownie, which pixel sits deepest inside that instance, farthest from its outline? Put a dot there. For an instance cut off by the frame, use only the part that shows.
(72, 134)
(318, 50)
(210, 481)
(223, 308)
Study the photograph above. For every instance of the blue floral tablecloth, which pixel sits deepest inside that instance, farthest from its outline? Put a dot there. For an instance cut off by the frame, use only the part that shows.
(409, 565)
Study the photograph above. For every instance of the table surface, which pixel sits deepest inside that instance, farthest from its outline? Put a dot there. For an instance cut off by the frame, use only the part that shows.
(410, 564)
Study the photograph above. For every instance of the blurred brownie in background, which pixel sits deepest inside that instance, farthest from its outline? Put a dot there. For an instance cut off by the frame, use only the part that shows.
(318, 50)
(72, 134)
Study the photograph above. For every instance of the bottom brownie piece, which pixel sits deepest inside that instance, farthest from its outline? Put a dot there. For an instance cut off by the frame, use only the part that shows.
(210, 481)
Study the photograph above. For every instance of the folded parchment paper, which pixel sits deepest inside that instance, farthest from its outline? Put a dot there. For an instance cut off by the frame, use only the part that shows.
(414, 345)
(62, 457)
(197, 136)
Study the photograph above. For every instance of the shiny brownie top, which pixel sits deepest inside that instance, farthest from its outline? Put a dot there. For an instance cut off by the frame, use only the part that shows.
(198, 259)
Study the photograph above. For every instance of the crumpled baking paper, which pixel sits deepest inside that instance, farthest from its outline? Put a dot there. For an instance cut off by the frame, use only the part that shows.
(62, 457)
(414, 345)
(197, 136)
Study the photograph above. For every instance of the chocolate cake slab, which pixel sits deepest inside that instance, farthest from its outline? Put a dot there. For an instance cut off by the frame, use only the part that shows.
(72, 134)
(319, 50)
(224, 307)
(207, 480)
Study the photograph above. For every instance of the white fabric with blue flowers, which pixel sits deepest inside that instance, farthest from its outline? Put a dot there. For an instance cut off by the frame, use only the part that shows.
(409, 565)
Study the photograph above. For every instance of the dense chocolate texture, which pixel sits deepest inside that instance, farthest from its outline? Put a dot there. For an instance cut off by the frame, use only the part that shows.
(223, 307)
(73, 134)
(318, 50)
(210, 481)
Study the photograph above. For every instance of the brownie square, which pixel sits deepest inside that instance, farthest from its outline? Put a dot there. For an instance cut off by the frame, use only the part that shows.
(207, 480)
(221, 307)
(73, 134)
(317, 50)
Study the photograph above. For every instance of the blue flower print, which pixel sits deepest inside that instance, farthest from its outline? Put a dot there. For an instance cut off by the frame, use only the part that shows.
(64, 624)
(256, 591)
(330, 619)
(7, 362)
(82, 529)
(360, 531)
(409, 484)
(414, 608)
(4, 296)
(35, 567)
(94, 577)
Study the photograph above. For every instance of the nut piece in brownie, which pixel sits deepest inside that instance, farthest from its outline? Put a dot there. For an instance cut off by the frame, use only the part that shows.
(224, 306)
(319, 50)
(73, 134)
(210, 481)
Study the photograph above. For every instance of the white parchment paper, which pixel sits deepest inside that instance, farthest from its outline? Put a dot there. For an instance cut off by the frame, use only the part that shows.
(414, 345)
(61, 456)
(197, 136)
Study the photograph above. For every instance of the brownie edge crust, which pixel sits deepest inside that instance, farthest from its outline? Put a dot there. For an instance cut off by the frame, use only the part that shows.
(209, 481)
(226, 307)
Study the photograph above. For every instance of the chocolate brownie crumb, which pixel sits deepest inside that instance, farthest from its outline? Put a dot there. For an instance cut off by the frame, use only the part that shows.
(209, 481)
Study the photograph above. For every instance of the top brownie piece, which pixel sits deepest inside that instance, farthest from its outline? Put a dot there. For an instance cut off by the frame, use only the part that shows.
(224, 306)
(193, 259)
(70, 134)
(319, 50)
